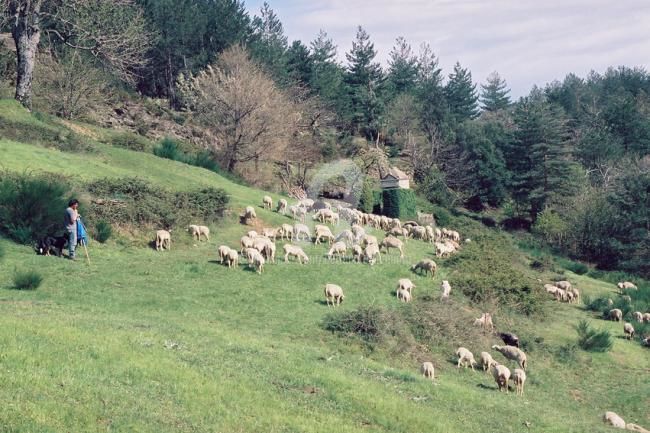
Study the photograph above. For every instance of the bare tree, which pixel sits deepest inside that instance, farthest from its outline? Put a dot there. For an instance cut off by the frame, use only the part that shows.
(113, 31)
(252, 119)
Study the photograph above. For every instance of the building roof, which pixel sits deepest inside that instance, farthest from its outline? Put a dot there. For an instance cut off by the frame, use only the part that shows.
(396, 173)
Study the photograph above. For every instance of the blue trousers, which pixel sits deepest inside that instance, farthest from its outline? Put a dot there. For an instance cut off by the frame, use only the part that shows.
(72, 242)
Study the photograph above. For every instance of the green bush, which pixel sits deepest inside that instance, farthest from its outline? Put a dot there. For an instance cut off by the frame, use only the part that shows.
(367, 198)
(592, 340)
(399, 203)
(31, 206)
(103, 231)
(128, 140)
(27, 280)
(168, 148)
(575, 267)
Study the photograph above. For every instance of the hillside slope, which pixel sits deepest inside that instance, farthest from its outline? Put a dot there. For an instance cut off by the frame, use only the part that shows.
(174, 342)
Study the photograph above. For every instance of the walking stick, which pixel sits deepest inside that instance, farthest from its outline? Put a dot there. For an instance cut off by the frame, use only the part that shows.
(86, 250)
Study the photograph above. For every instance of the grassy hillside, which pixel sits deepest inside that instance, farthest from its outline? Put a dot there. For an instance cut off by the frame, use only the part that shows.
(173, 342)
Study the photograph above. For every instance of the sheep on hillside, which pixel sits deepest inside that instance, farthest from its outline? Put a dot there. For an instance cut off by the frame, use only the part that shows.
(427, 370)
(282, 206)
(333, 294)
(345, 236)
(614, 420)
(267, 202)
(564, 285)
(628, 329)
(245, 242)
(286, 231)
(465, 357)
(357, 253)
(301, 229)
(338, 249)
(445, 290)
(255, 260)
(323, 232)
(519, 378)
(198, 231)
(369, 240)
(392, 242)
(403, 295)
(638, 316)
(271, 233)
(615, 314)
(426, 265)
(626, 285)
(232, 259)
(405, 284)
(371, 253)
(298, 213)
(223, 252)
(295, 251)
(485, 322)
(513, 353)
(486, 361)
(249, 213)
(501, 375)
(163, 240)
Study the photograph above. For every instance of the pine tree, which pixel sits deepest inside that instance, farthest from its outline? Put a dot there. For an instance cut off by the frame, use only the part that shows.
(494, 94)
(299, 63)
(268, 44)
(363, 79)
(402, 69)
(430, 93)
(326, 75)
(461, 94)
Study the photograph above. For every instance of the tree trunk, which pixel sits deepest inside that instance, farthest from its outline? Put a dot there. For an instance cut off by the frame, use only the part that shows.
(26, 32)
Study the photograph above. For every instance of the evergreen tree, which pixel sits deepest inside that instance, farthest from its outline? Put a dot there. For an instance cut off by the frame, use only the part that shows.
(326, 74)
(494, 94)
(268, 43)
(430, 93)
(402, 69)
(461, 94)
(363, 79)
(299, 63)
(538, 157)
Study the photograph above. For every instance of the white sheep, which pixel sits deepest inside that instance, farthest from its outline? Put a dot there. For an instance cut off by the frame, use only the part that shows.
(519, 379)
(613, 419)
(245, 242)
(223, 252)
(443, 249)
(255, 260)
(627, 285)
(232, 259)
(405, 284)
(358, 231)
(282, 206)
(333, 293)
(564, 285)
(249, 213)
(323, 232)
(465, 357)
(485, 322)
(635, 428)
(194, 231)
(615, 314)
(646, 317)
(392, 242)
(295, 251)
(338, 248)
(427, 370)
(426, 265)
(163, 240)
(298, 212)
(271, 233)
(301, 229)
(628, 329)
(501, 375)
(286, 231)
(369, 240)
(345, 236)
(445, 290)
(486, 361)
(638, 316)
(372, 252)
(513, 353)
(267, 202)
(357, 253)
(403, 295)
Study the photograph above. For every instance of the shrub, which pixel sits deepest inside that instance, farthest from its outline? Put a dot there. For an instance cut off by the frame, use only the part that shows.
(592, 340)
(575, 267)
(31, 206)
(128, 140)
(27, 280)
(168, 148)
(103, 231)
(442, 216)
(2, 251)
(399, 203)
(367, 198)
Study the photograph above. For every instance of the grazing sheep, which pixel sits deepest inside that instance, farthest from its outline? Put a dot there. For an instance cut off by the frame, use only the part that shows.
(418, 232)
(295, 251)
(345, 236)
(282, 206)
(369, 240)
(486, 361)
(501, 375)
(646, 317)
(443, 249)
(271, 233)
(358, 232)
(252, 234)
(392, 242)
(430, 234)
(357, 253)
(249, 213)
(194, 231)
(286, 230)
(371, 252)
(163, 240)
(298, 212)
(403, 295)
(616, 315)
(306, 203)
(223, 252)
(427, 370)
(465, 357)
(301, 229)
(614, 420)
(638, 316)
(550, 288)
(564, 285)
(245, 242)
(512, 353)
(255, 260)
(333, 293)
(427, 265)
(628, 329)
(323, 232)
(626, 285)
(338, 248)
(267, 202)
(445, 290)
(405, 284)
(485, 322)
(232, 259)
(519, 378)
(510, 339)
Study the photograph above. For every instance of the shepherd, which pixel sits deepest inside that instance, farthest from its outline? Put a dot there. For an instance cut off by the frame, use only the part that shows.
(70, 221)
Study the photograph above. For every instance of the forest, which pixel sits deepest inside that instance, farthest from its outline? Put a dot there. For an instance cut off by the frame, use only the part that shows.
(569, 162)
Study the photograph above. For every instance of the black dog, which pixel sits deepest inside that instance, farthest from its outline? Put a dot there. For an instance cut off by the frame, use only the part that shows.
(52, 245)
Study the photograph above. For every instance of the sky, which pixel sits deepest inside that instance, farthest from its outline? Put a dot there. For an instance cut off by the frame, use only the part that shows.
(527, 42)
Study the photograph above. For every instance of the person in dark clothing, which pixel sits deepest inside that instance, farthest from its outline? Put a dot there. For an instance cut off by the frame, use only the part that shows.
(70, 222)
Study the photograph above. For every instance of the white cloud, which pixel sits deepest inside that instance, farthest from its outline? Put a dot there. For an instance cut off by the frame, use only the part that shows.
(527, 41)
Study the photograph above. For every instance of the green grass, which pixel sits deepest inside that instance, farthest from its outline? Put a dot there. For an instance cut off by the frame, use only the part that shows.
(173, 342)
